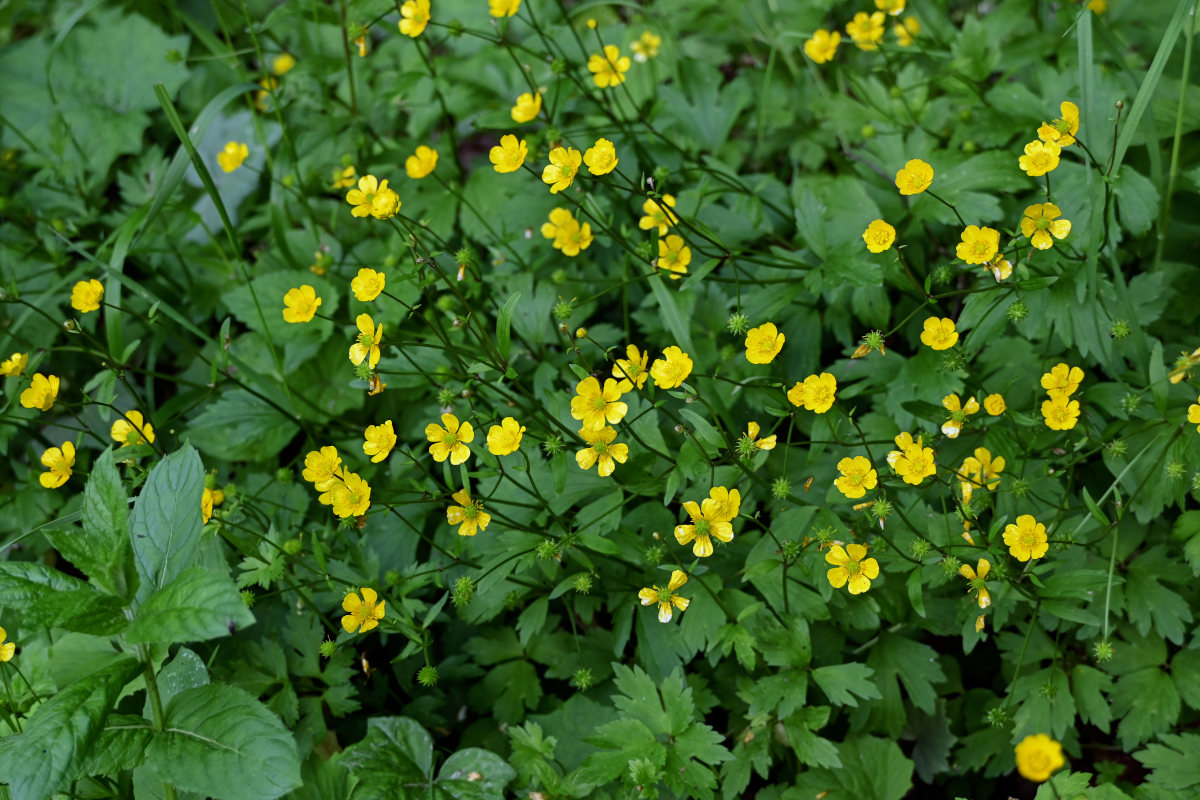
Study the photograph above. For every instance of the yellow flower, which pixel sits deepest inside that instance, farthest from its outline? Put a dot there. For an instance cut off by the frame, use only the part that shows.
(86, 296)
(866, 30)
(672, 369)
(1026, 539)
(978, 244)
(1062, 380)
(891, 7)
(300, 305)
(857, 477)
(978, 579)
(528, 106)
(232, 155)
(633, 369)
(415, 16)
(1001, 267)
(1097, 6)
(132, 429)
(939, 333)
(268, 84)
(915, 178)
(822, 46)
(344, 177)
(568, 234)
(450, 441)
(674, 256)
(14, 365)
(658, 215)
(1040, 223)
(608, 69)
(994, 404)
(958, 414)
(421, 163)
(42, 392)
(913, 462)
(562, 169)
(350, 496)
(1038, 756)
(707, 524)
(8, 648)
(750, 437)
(601, 450)
(879, 236)
(283, 63)
(360, 42)
(1182, 369)
(503, 8)
(594, 406)
(666, 598)
(763, 343)
(728, 503)
(983, 470)
(601, 158)
(1194, 413)
(380, 439)
(816, 393)
(851, 566)
(366, 344)
(468, 515)
(1062, 130)
(367, 285)
(1060, 413)
(362, 614)
(58, 462)
(1039, 158)
(905, 31)
(509, 155)
(322, 468)
(646, 46)
(206, 505)
(372, 198)
(505, 438)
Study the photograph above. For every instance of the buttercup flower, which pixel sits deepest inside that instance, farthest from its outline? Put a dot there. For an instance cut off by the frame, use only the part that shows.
(913, 462)
(343, 178)
(763, 343)
(367, 285)
(1194, 414)
(450, 441)
(633, 369)
(978, 244)
(728, 503)
(1062, 130)
(608, 69)
(283, 63)
(672, 369)
(750, 441)
(1038, 756)
(58, 462)
(1060, 413)
(866, 30)
(301, 304)
(939, 333)
(379, 441)
(906, 30)
(1039, 158)
(505, 438)
(892, 7)
(132, 429)
(528, 106)
(983, 470)
(14, 365)
(879, 236)
(601, 450)
(206, 505)
(915, 178)
(468, 515)
(322, 468)
(601, 158)
(1040, 223)
(658, 215)
(1000, 267)
(994, 404)
(232, 155)
(815, 393)
(1026, 539)
(567, 233)
(562, 169)
(86, 296)
(674, 256)
(666, 598)
(7, 649)
(366, 344)
(646, 46)
(708, 523)
(857, 477)
(362, 614)
(978, 579)
(822, 46)
(594, 406)
(43, 391)
(350, 496)
(372, 198)
(268, 84)
(958, 414)
(851, 566)
(421, 163)
(1062, 380)
(414, 17)
(503, 8)
(509, 155)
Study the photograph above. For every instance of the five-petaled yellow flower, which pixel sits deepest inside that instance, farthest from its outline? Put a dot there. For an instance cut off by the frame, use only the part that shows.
(42, 392)
(666, 597)
(362, 614)
(300, 304)
(913, 462)
(1041, 222)
(1060, 413)
(710, 520)
(1040, 158)
(86, 296)
(379, 441)
(958, 414)
(1062, 130)
(7, 649)
(982, 470)
(468, 515)
(978, 578)
(367, 285)
(528, 106)
(763, 343)
(646, 46)
(14, 365)
(1062, 380)
(350, 496)
(132, 429)
(978, 245)
(1038, 756)
(673, 256)
(232, 155)
(658, 214)
(851, 566)
(822, 46)
(939, 333)
(994, 404)
(815, 393)
(633, 369)
(322, 468)
(608, 69)
(414, 17)
(601, 158)
(58, 462)
(866, 30)
(562, 169)
(509, 155)
(879, 236)
(915, 178)
(503, 8)
(366, 344)
(672, 369)
(568, 234)
(372, 198)
(505, 438)
(601, 451)
(857, 477)
(344, 178)
(421, 163)
(594, 406)
(750, 441)
(1026, 539)
(450, 441)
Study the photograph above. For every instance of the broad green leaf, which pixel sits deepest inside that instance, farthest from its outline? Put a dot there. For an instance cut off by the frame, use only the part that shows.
(200, 604)
(473, 774)
(166, 524)
(1175, 763)
(121, 745)
(241, 427)
(393, 760)
(1088, 685)
(101, 551)
(51, 599)
(1148, 704)
(842, 681)
(186, 671)
(504, 325)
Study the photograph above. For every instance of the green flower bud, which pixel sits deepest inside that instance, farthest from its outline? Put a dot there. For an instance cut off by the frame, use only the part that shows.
(1119, 329)
(781, 488)
(949, 565)
(553, 445)
(427, 676)
(293, 546)
(328, 648)
(248, 597)
(583, 679)
(998, 717)
(463, 591)
(548, 549)
(1103, 650)
(1017, 311)
(583, 583)
(737, 324)
(920, 549)
(655, 553)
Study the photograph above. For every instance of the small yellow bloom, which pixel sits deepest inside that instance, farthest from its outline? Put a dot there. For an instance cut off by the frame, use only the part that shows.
(1062, 130)
(601, 158)
(1040, 223)
(1194, 414)
(503, 8)
(752, 440)
(366, 344)
(232, 155)
(857, 477)
(672, 369)
(86, 296)
(879, 236)
(528, 106)
(866, 30)
(131, 429)
(978, 579)
(451, 441)
(269, 84)
(468, 515)
(42, 392)
(905, 31)
(601, 451)
(816, 393)
(763, 343)
(632, 370)
(939, 333)
(568, 234)
(1000, 267)
(415, 16)
(891, 7)
(708, 523)
(822, 46)
(851, 566)
(1039, 158)
(505, 438)
(1060, 413)
(362, 614)
(1062, 380)
(658, 215)
(361, 43)
(509, 155)
(666, 597)
(343, 178)
(379, 441)
(673, 256)
(994, 404)
(562, 169)
(1026, 539)
(978, 244)
(1038, 756)
(372, 198)
(367, 284)
(646, 46)
(350, 496)
(594, 406)
(300, 305)
(14, 365)
(958, 414)
(982, 470)
(283, 63)
(322, 468)
(913, 462)
(916, 177)
(7, 649)
(608, 69)
(206, 505)
(58, 462)
(421, 163)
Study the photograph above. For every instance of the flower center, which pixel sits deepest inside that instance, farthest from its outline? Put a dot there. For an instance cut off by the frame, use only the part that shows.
(1062, 126)
(451, 439)
(1042, 224)
(1027, 539)
(598, 403)
(664, 595)
(703, 528)
(471, 511)
(366, 339)
(567, 171)
(852, 567)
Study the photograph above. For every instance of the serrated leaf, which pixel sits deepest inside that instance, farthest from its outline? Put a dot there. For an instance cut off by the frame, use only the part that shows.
(103, 547)
(51, 599)
(395, 756)
(242, 427)
(166, 524)
(121, 745)
(200, 604)
(842, 681)
(1088, 686)
(1148, 704)
(474, 774)
(1175, 763)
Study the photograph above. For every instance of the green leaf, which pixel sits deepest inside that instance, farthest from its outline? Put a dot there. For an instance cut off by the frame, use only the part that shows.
(504, 325)
(1175, 763)
(60, 736)
(842, 681)
(186, 671)
(50, 599)
(473, 774)
(899, 660)
(1149, 704)
(166, 524)
(121, 745)
(1088, 685)
(102, 550)
(1137, 201)
(1185, 670)
(241, 427)
(620, 741)
(669, 308)
(1149, 603)
(394, 758)
(221, 742)
(200, 604)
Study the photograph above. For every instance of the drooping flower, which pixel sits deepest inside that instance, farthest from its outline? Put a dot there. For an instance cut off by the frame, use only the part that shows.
(301, 304)
(86, 296)
(503, 8)
(674, 256)
(1040, 223)
(958, 414)
(421, 163)
(978, 578)
(983, 470)
(750, 441)
(866, 30)
(939, 333)
(1040, 158)
(851, 566)
(367, 284)
(822, 46)
(978, 244)
(527, 107)
(857, 477)
(633, 369)
(351, 496)
(608, 69)
(14, 365)
(7, 649)
(646, 46)
(594, 406)
(132, 429)
(1060, 413)
(994, 404)
(1038, 756)
(468, 515)
(672, 369)
(666, 597)
(916, 177)
(601, 158)
(450, 441)
(362, 614)
(879, 236)
(59, 463)
(322, 468)
(906, 31)
(708, 523)
(562, 169)
(232, 155)
(509, 155)
(658, 214)
(379, 441)
(1062, 380)
(601, 450)
(366, 344)
(1062, 130)
(1026, 539)
(815, 393)
(414, 17)
(505, 438)
(42, 392)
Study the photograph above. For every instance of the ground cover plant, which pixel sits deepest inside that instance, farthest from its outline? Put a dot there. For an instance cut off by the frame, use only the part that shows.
(539, 399)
